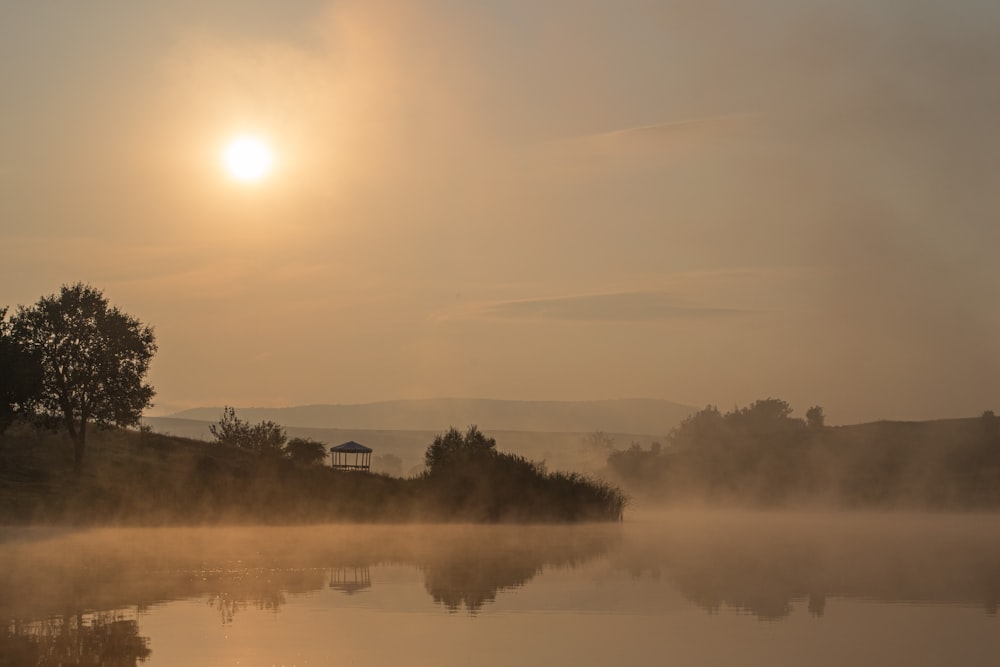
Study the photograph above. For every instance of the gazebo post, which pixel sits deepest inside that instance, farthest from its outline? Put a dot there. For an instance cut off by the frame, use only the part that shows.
(340, 456)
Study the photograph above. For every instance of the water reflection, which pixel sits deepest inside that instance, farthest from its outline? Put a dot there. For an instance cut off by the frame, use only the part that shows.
(230, 591)
(74, 639)
(761, 563)
(351, 580)
(239, 568)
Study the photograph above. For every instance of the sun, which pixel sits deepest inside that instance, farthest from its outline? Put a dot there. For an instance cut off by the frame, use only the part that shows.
(247, 159)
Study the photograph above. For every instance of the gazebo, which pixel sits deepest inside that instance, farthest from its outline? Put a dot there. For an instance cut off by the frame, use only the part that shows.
(341, 456)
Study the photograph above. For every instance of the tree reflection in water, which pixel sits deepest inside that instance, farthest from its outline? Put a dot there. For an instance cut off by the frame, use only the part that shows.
(470, 572)
(239, 568)
(762, 563)
(105, 639)
(264, 589)
(472, 583)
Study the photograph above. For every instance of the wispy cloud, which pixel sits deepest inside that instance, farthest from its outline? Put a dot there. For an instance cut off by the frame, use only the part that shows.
(654, 129)
(657, 135)
(607, 307)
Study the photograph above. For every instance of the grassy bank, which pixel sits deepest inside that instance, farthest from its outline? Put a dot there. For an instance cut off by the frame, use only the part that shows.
(147, 478)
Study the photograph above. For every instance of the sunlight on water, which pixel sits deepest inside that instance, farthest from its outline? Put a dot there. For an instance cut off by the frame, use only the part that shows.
(685, 588)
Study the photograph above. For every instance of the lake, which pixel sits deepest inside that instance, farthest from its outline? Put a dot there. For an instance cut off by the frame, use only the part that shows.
(674, 588)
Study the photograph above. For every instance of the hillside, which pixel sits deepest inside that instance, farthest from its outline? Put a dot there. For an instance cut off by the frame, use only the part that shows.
(634, 415)
(146, 478)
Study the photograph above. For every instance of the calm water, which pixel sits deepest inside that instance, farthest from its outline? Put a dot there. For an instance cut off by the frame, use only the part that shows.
(675, 589)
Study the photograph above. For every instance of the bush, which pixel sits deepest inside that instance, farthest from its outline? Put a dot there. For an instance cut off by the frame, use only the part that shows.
(265, 438)
(305, 451)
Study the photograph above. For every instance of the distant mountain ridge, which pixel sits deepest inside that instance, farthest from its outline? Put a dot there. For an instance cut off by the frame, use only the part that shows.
(648, 416)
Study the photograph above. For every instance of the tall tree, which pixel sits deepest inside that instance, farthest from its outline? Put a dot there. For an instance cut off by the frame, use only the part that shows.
(93, 358)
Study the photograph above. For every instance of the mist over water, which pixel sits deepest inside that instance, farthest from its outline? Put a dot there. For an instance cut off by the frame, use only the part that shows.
(663, 586)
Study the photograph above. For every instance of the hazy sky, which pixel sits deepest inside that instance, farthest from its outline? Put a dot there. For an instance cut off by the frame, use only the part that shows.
(708, 202)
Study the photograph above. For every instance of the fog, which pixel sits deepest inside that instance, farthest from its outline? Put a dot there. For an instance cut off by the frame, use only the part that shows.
(757, 562)
(760, 456)
(464, 566)
(722, 585)
(762, 562)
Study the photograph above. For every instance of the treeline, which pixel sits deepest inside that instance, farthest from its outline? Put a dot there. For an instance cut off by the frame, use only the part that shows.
(465, 478)
(136, 477)
(761, 455)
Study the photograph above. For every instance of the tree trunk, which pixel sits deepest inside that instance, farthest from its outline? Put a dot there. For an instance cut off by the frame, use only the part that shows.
(78, 446)
(79, 437)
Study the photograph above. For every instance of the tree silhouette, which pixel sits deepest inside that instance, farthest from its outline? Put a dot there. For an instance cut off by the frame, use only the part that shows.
(762, 415)
(20, 375)
(991, 426)
(93, 359)
(705, 427)
(305, 451)
(265, 438)
(455, 448)
(815, 417)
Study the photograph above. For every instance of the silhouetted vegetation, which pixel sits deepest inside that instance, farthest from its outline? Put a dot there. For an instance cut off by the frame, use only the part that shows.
(93, 640)
(20, 375)
(466, 473)
(149, 478)
(305, 451)
(265, 438)
(78, 361)
(454, 450)
(815, 417)
(762, 455)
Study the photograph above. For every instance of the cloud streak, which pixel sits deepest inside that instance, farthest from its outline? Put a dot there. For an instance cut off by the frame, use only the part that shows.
(666, 127)
(607, 307)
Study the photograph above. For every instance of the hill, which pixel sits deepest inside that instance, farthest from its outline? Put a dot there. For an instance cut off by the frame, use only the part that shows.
(633, 415)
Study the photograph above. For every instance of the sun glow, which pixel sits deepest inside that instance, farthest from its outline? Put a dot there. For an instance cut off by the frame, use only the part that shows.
(247, 159)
